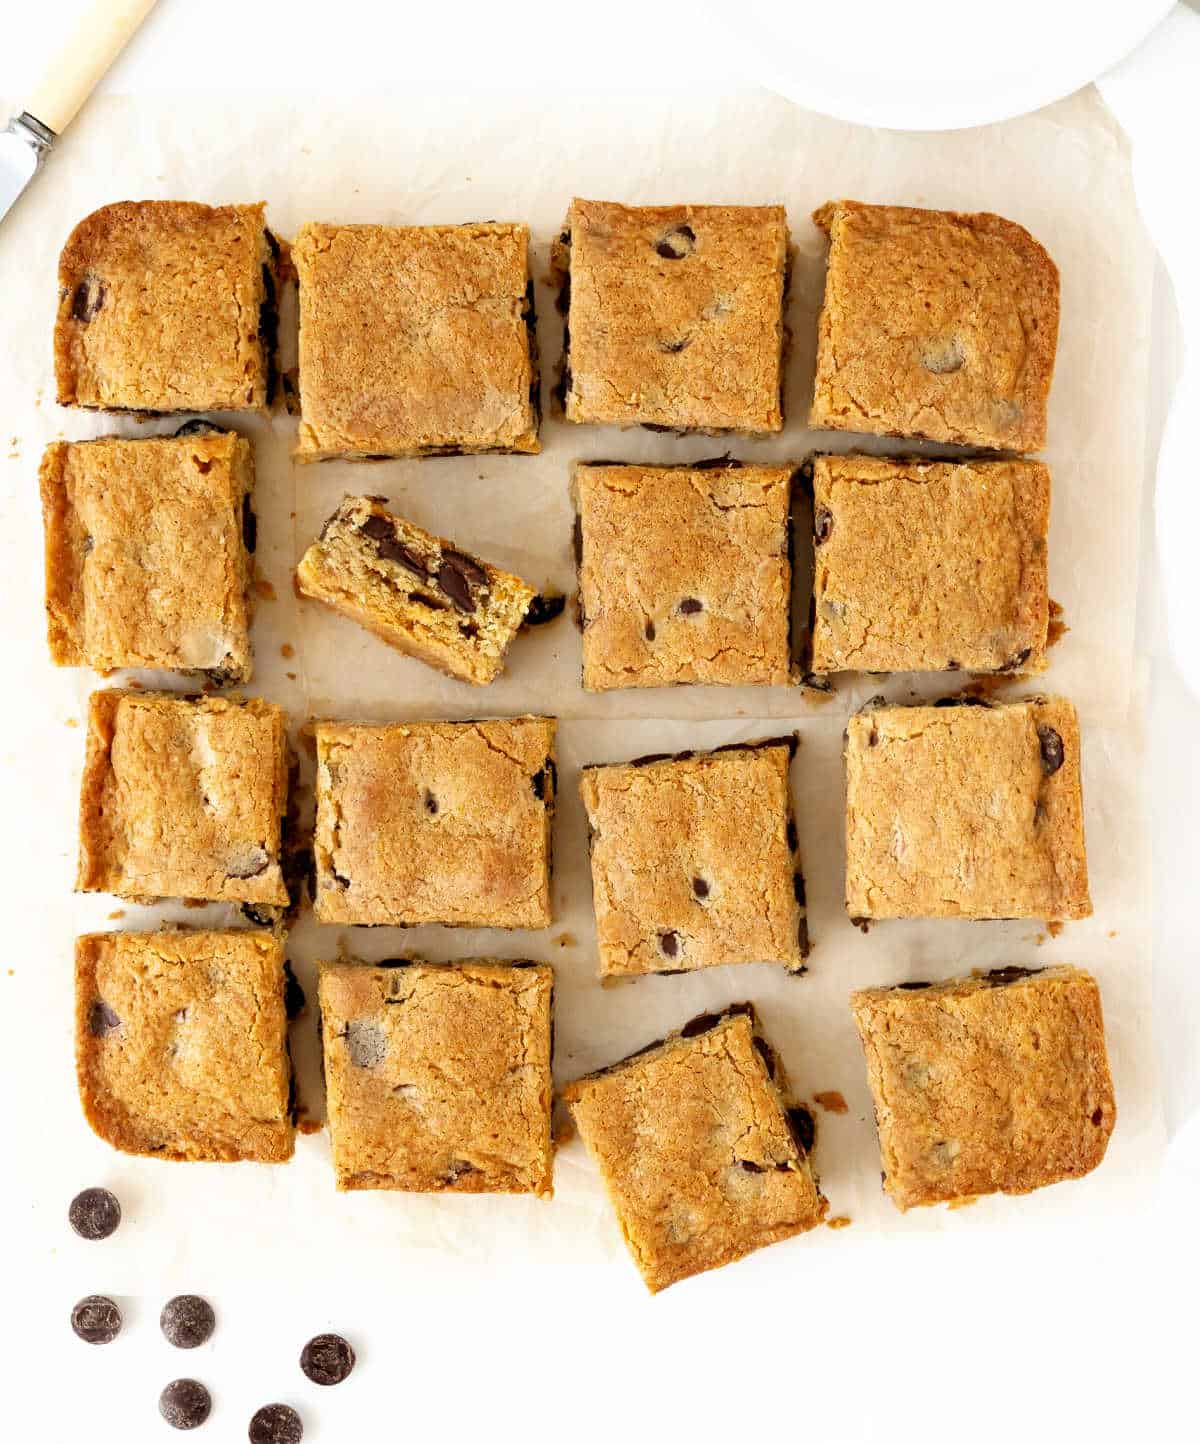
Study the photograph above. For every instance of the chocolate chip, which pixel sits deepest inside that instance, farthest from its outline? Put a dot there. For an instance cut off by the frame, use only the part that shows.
(650, 632)
(538, 783)
(767, 1054)
(716, 463)
(424, 600)
(293, 994)
(185, 1404)
(327, 1359)
(798, 888)
(962, 702)
(1053, 754)
(803, 1127)
(87, 300)
(94, 1213)
(673, 348)
(365, 1043)
(187, 1321)
(699, 887)
(96, 1320)
(455, 581)
(544, 609)
(468, 629)
(802, 942)
(249, 525)
(431, 803)
(199, 427)
(952, 666)
(677, 243)
(913, 987)
(689, 606)
(1098, 1117)
(701, 1023)
(383, 533)
(102, 1020)
(669, 943)
(793, 841)
(822, 525)
(1015, 663)
(750, 1166)
(468, 566)
(577, 539)
(276, 1424)
(1000, 977)
(261, 917)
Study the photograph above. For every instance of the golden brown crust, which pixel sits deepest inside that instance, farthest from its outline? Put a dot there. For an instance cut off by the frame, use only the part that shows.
(438, 1076)
(181, 1044)
(965, 811)
(930, 566)
(992, 1084)
(935, 324)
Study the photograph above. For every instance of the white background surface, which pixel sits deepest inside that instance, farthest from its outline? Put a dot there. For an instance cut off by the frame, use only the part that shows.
(926, 1338)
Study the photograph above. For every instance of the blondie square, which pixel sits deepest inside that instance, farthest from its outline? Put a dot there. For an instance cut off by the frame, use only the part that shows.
(935, 324)
(702, 1158)
(181, 1044)
(418, 592)
(415, 341)
(965, 811)
(929, 566)
(183, 797)
(685, 574)
(168, 306)
(695, 861)
(149, 553)
(674, 316)
(987, 1084)
(438, 1076)
(435, 822)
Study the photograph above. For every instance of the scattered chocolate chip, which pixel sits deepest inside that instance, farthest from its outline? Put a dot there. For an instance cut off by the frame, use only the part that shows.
(431, 803)
(1015, 663)
(677, 243)
(96, 1320)
(802, 942)
(999, 977)
(699, 887)
(185, 1404)
(102, 1020)
(673, 348)
(545, 609)
(383, 533)
(798, 888)
(669, 943)
(293, 994)
(94, 1213)
(577, 539)
(822, 525)
(766, 1053)
(750, 1166)
(913, 987)
(327, 1359)
(962, 702)
(656, 757)
(803, 1126)
(716, 463)
(455, 581)
(650, 632)
(862, 924)
(702, 1023)
(662, 430)
(952, 666)
(468, 629)
(187, 1321)
(249, 525)
(276, 1424)
(538, 783)
(1098, 1117)
(199, 427)
(261, 917)
(424, 600)
(1053, 754)
(87, 300)
(689, 606)
(365, 1043)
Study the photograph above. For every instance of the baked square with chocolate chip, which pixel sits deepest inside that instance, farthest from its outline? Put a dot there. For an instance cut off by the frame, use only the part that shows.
(995, 1083)
(435, 822)
(149, 553)
(929, 566)
(695, 861)
(685, 574)
(935, 324)
(674, 316)
(420, 593)
(181, 1044)
(168, 306)
(415, 341)
(965, 809)
(438, 1076)
(701, 1156)
(183, 797)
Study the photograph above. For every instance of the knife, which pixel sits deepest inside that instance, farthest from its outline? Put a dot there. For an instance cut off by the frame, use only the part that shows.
(30, 136)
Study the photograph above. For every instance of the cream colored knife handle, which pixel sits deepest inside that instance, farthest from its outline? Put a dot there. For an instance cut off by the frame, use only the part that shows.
(103, 33)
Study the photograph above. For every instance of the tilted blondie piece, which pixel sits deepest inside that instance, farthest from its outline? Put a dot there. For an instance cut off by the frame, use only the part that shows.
(965, 811)
(685, 574)
(435, 822)
(416, 591)
(674, 315)
(988, 1084)
(181, 1044)
(149, 550)
(695, 860)
(416, 341)
(438, 1076)
(183, 797)
(929, 566)
(168, 306)
(702, 1158)
(935, 324)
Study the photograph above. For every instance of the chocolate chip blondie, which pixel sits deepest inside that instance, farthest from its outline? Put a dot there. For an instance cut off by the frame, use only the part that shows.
(685, 574)
(695, 861)
(702, 1158)
(929, 566)
(674, 315)
(438, 1076)
(181, 1044)
(935, 324)
(996, 1083)
(416, 341)
(968, 811)
(435, 822)
(149, 549)
(420, 593)
(183, 797)
(168, 306)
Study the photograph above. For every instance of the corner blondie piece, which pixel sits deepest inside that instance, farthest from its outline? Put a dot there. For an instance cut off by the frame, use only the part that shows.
(435, 822)
(148, 553)
(937, 325)
(685, 574)
(416, 341)
(970, 811)
(988, 1084)
(168, 306)
(438, 1076)
(701, 1157)
(416, 591)
(181, 1044)
(674, 316)
(183, 797)
(695, 861)
(929, 566)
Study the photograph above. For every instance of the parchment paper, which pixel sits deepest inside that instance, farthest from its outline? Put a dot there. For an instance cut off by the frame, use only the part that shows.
(1064, 173)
